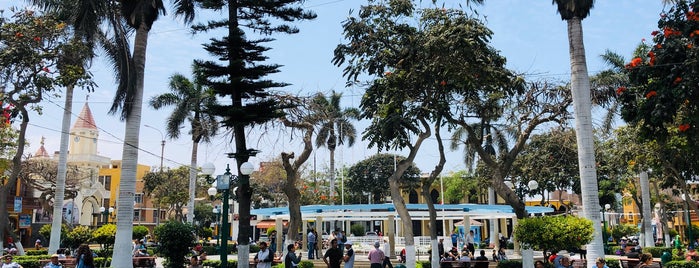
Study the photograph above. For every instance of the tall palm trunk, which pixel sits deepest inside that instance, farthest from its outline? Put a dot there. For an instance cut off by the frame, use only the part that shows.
(192, 181)
(55, 240)
(647, 215)
(332, 176)
(580, 85)
(127, 185)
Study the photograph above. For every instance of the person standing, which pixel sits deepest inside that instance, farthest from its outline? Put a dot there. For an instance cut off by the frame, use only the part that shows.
(291, 260)
(387, 253)
(264, 258)
(470, 241)
(333, 256)
(349, 255)
(85, 257)
(193, 262)
(273, 241)
(376, 256)
(454, 239)
(341, 238)
(311, 244)
(440, 248)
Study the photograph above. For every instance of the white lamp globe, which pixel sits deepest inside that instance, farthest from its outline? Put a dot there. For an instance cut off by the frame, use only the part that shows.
(246, 168)
(533, 185)
(211, 191)
(208, 169)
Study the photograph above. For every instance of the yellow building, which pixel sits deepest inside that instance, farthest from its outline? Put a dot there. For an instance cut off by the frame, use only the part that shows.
(144, 211)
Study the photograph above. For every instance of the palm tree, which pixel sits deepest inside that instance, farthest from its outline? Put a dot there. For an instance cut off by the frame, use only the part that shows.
(335, 128)
(139, 15)
(189, 98)
(573, 12)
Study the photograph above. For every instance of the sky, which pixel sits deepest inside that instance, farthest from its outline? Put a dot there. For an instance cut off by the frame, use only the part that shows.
(529, 33)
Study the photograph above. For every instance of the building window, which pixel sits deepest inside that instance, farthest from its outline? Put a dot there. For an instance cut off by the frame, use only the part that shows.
(138, 198)
(136, 215)
(107, 182)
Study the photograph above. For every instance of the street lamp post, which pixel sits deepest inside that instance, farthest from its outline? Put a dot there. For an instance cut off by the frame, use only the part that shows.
(688, 218)
(217, 213)
(223, 185)
(105, 214)
(162, 155)
(604, 225)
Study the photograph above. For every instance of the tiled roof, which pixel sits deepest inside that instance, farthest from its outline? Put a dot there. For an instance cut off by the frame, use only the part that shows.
(41, 152)
(85, 119)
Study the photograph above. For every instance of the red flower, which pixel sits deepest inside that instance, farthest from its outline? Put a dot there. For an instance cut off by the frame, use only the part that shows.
(654, 33)
(37, 39)
(658, 46)
(388, 73)
(677, 80)
(45, 69)
(690, 46)
(683, 127)
(643, 40)
(652, 58)
(620, 90)
(695, 32)
(443, 83)
(651, 94)
(19, 35)
(670, 32)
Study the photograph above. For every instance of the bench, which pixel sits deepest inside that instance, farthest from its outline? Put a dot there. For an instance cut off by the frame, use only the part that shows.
(66, 262)
(144, 261)
(472, 264)
(633, 262)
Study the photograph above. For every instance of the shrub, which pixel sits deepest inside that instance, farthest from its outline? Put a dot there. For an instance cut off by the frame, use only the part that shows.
(104, 253)
(45, 231)
(621, 230)
(305, 264)
(175, 240)
(217, 263)
(423, 264)
(33, 252)
(357, 229)
(656, 251)
(613, 263)
(102, 262)
(139, 232)
(104, 235)
(210, 250)
(681, 264)
(77, 236)
(254, 248)
(510, 264)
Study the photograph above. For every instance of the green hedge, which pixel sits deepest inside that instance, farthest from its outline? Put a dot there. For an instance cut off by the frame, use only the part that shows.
(656, 251)
(510, 264)
(217, 263)
(34, 252)
(613, 263)
(681, 264)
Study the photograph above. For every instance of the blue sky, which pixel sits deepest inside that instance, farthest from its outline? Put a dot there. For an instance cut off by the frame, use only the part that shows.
(530, 34)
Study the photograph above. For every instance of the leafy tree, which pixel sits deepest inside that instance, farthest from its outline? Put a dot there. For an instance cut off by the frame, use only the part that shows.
(462, 187)
(241, 76)
(299, 118)
(30, 47)
(553, 233)
(175, 240)
(45, 231)
(271, 180)
(203, 213)
(169, 188)
(189, 99)
(104, 235)
(41, 174)
(621, 230)
(573, 12)
(335, 128)
(371, 175)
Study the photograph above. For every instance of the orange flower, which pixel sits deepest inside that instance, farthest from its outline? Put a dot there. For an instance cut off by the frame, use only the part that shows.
(635, 62)
(670, 32)
(443, 83)
(19, 35)
(695, 32)
(691, 15)
(683, 127)
(620, 90)
(677, 80)
(388, 73)
(45, 69)
(690, 46)
(651, 94)
(654, 33)
(658, 46)
(323, 197)
(652, 58)
(37, 38)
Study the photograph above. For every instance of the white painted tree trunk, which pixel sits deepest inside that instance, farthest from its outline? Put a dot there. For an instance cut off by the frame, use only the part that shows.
(410, 255)
(580, 85)
(127, 184)
(244, 250)
(192, 182)
(55, 240)
(434, 257)
(647, 212)
(527, 258)
(494, 238)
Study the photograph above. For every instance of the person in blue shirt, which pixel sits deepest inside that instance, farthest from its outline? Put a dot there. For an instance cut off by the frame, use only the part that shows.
(454, 239)
(311, 244)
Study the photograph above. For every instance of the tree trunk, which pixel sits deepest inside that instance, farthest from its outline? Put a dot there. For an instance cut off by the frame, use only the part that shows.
(129, 158)
(192, 182)
(647, 215)
(55, 240)
(332, 176)
(580, 85)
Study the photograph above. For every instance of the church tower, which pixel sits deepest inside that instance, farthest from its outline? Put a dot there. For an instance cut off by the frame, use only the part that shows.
(84, 134)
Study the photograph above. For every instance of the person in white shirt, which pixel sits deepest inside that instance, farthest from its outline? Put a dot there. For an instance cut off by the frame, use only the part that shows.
(349, 255)
(470, 242)
(387, 254)
(264, 258)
